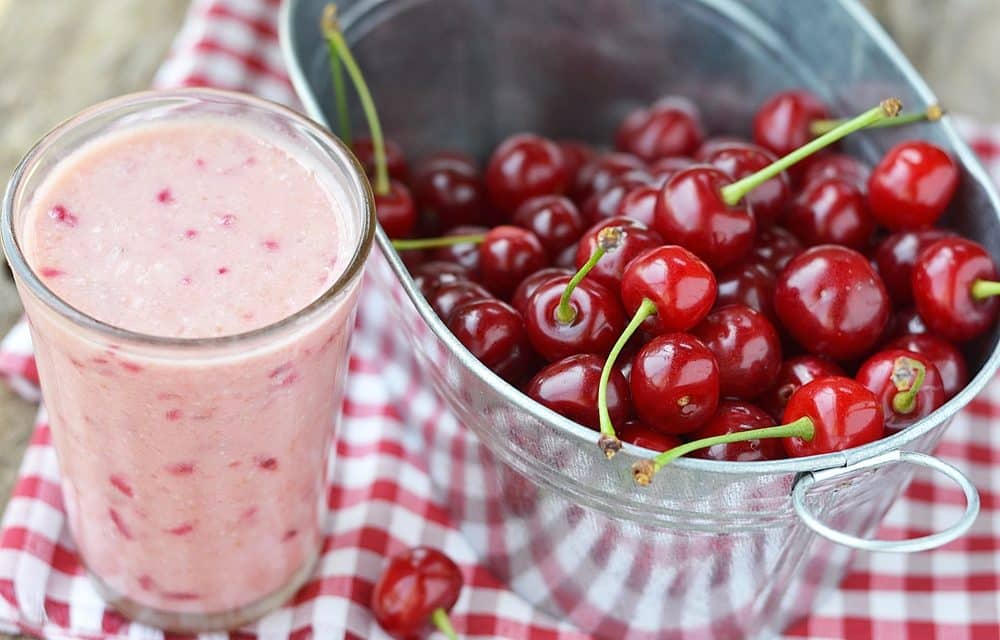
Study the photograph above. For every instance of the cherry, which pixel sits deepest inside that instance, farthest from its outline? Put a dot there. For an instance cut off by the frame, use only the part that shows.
(462, 253)
(912, 185)
(947, 360)
(605, 204)
(739, 160)
(508, 255)
(907, 322)
(895, 256)
(831, 211)
(636, 239)
(589, 323)
(395, 160)
(746, 347)
(734, 416)
(782, 122)
(524, 166)
(396, 211)
(794, 373)
(844, 413)
(670, 286)
(575, 155)
(529, 285)
(598, 174)
(569, 387)
(431, 275)
(669, 127)
(446, 297)
(831, 301)
(494, 332)
(642, 435)
(836, 165)
(554, 219)
(417, 587)
(775, 247)
(639, 204)
(666, 168)
(907, 385)
(714, 144)
(749, 283)
(955, 290)
(674, 383)
(448, 186)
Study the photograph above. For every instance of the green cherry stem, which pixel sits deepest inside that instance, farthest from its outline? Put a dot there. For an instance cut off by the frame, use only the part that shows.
(443, 623)
(908, 376)
(982, 289)
(607, 240)
(932, 113)
(609, 442)
(343, 52)
(644, 470)
(329, 24)
(734, 192)
(434, 243)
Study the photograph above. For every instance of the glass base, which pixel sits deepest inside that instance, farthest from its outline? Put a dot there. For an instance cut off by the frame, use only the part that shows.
(184, 622)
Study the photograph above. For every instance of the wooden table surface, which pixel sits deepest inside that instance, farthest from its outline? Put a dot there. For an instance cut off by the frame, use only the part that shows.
(59, 56)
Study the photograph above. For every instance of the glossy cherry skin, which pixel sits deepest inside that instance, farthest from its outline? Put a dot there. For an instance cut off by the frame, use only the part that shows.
(746, 347)
(605, 204)
(529, 285)
(508, 255)
(448, 185)
(576, 154)
(669, 127)
(680, 285)
(522, 167)
(598, 322)
(600, 172)
(942, 280)
(912, 185)
(715, 143)
(947, 359)
(832, 302)
(666, 168)
(569, 387)
(431, 275)
(881, 372)
(691, 212)
(739, 160)
(782, 122)
(396, 212)
(845, 414)
(446, 297)
(775, 247)
(830, 164)
(895, 257)
(555, 220)
(749, 283)
(494, 332)
(831, 211)
(465, 254)
(639, 204)
(908, 322)
(395, 159)
(642, 435)
(734, 416)
(794, 373)
(608, 271)
(413, 585)
(675, 383)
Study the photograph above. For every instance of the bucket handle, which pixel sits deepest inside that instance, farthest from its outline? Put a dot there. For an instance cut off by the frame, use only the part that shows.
(806, 480)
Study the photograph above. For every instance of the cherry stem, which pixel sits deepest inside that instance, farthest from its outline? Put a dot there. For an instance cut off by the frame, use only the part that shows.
(982, 289)
(443, 623)
(644, 470)
(329, 23)
(932, 113)
(908, 376)
(609, 442)
(734, 192)
(433, 243)
(607, 240)
(331, 29)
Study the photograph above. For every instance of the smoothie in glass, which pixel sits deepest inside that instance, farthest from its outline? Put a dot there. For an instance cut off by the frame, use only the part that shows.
(189, 265)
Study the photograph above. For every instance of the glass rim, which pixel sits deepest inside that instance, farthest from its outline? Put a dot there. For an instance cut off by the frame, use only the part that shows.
(339, 152)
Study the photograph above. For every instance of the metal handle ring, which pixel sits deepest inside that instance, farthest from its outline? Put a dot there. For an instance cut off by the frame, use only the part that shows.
(923, 543)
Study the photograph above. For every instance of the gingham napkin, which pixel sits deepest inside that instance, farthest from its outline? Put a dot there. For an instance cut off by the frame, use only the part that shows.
(384, 494)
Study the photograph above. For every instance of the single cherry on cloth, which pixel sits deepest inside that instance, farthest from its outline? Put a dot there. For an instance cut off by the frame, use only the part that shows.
(446, 297)
(844, 412)
(739, 160)
(508, 255)
(494, 332)
(600, 172)
(895, 256)
(746, 347)
(836, 165)
(522, 167)
(642, 435)
(418, 587)
(636, 238)
(912, 185)
(794, 373)
(569, 387)
(832, 302)
(447, 185)
(363, 148)
(589, 320)
(947, 359)
(554, 219)
(671, 126)
(529, 285)
(782, 123)
(955, 288)
(831, 211)
(775, 247)
(906, 383)
(734, 416)
(749, 283)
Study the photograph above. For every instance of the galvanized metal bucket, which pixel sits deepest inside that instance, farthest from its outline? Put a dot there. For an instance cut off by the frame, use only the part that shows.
(709, 550)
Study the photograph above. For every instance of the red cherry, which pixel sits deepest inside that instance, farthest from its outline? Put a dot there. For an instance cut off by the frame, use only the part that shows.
(642, 435)
(494, 332)
(446, 297)
(714, 144)
(746, 347)
(794, 373)
(947, 359)
(364, 151)
(895, 256)
(670, 127)
(569, 387)
(739, 160)
(733, 416)
(522, 167)
(666, 168)
(944, 276)
(575, 155)
(832, 302)
(675, 383)
(908, 322)
(907, 385)
(508, 255)
(530, 284)
(595, 320)
(465, 253)
(912, 185)
(835, 165)
(414, 586)
(396, 211)
(431, 275)
(775, 247)
(844, 413)
(782, 122)
(605, 204)
(636, 239)
(749, 283)
(639, 204)
(600, 172)
(554, 219)
(681, 287)
(831, 211)
(448, 185)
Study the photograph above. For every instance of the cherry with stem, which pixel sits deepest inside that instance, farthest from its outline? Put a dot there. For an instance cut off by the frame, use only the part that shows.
(932, 113)
(418, 586)
(608, 239)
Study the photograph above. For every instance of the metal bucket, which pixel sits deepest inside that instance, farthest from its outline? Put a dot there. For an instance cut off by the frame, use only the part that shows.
(709, 550)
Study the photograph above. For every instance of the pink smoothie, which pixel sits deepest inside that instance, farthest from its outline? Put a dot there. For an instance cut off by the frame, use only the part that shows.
(193, 480)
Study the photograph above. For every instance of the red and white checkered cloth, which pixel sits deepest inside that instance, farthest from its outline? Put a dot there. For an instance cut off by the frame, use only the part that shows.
(951, 593)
